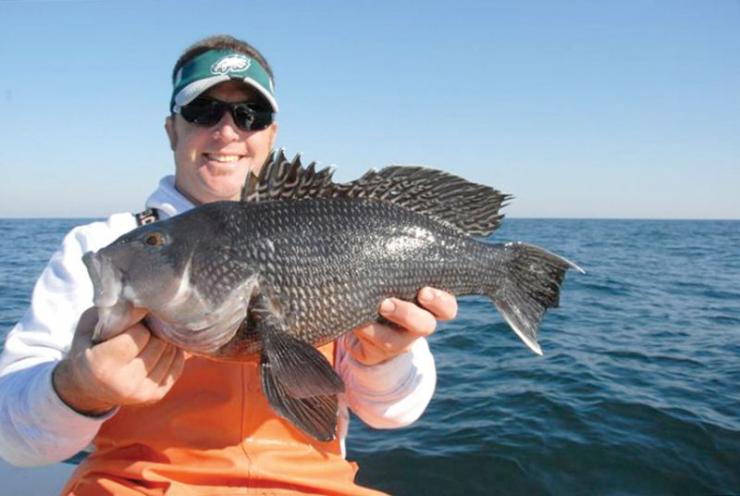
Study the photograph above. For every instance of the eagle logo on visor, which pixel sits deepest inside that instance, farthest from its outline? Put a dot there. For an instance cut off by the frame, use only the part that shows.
(231, 63)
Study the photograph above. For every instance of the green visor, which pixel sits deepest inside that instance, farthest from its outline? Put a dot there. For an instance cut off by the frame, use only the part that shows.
(216, 66)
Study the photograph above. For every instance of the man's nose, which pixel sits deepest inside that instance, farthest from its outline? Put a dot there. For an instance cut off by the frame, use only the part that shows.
(225, 129)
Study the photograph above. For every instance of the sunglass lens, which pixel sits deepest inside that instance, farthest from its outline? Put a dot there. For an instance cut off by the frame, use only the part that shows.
(243, 117)
(249, 118)
(203, 112)
(262, 120)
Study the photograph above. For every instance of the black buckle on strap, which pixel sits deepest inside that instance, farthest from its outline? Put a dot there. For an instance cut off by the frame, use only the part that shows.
(147, 217)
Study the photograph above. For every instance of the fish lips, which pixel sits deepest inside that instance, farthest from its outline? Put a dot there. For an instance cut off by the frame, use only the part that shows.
(107, 279)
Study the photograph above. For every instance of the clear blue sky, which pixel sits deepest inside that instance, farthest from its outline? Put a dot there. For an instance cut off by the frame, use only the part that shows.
(578, 108)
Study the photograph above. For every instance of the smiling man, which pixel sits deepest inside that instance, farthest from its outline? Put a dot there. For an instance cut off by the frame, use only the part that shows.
(165, 423)
(212, 160)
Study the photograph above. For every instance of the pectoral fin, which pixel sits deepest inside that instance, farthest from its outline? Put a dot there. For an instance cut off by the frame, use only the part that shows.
(299, 382)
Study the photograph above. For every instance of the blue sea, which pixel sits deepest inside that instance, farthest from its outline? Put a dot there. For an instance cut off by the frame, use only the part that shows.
(638, 391)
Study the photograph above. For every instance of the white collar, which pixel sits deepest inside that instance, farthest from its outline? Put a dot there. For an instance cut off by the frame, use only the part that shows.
(167, 199)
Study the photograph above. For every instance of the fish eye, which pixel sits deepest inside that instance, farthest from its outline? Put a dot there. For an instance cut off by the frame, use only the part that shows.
(154, 239)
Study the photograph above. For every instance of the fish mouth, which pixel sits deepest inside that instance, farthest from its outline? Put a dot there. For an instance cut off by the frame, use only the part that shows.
(106, 278)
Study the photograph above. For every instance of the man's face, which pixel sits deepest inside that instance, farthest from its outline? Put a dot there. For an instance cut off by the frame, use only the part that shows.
(212, 163)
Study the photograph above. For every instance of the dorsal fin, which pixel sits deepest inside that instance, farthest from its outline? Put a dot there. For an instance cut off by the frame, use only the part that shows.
(471, 207)
(281, 179)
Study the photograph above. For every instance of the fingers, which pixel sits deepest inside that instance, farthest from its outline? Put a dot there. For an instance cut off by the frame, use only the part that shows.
(125, 346)
(437, 305)
(133, 316)
(178, 365)
(151, 354)
(148, 376)
(441, 304)
(133, 367)
(163, 376)
(410, 317)
(82, 339)
(377, 343)
(86, 324)
(384, 339)
(153, 362)
(168, 367)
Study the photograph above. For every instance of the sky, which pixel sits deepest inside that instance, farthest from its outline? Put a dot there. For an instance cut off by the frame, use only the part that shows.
(580, 109)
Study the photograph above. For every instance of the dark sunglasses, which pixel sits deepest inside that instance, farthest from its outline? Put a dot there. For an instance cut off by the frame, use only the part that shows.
(208, 112)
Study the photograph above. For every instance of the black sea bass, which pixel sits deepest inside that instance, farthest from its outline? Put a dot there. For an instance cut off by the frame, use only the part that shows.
(301, 260)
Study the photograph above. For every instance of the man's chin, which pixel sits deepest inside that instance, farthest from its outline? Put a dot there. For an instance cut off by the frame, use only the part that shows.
(223, 188)
(215, 168)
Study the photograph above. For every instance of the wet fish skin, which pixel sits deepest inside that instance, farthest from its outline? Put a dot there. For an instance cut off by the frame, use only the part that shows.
(237, 280)
(328, 275)
(324, 275)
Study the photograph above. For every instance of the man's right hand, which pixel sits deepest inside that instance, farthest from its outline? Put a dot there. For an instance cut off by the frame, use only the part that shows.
(133, 367)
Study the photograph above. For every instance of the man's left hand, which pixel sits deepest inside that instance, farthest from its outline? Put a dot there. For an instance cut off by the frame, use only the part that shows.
(377, 343)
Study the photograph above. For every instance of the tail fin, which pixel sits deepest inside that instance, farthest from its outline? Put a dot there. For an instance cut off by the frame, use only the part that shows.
(531, 286)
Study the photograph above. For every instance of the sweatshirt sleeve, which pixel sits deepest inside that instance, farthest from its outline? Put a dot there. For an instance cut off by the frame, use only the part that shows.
(391, 394)
(36, 427)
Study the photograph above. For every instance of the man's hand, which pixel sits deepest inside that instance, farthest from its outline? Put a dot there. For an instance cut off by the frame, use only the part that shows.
(377, 343)
(133, 367)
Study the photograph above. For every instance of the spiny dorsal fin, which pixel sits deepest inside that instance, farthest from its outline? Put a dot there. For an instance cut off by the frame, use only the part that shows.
(471, 207)
(281, 179)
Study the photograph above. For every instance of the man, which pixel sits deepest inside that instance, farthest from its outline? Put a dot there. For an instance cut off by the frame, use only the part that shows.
(161, 421)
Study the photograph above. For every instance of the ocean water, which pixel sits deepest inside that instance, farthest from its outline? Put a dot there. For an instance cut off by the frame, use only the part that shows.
(638, 391)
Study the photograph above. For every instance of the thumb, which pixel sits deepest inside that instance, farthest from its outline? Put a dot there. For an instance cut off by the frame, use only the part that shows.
(85, 330)
(114, 320)
(86, 324)
(135, 315)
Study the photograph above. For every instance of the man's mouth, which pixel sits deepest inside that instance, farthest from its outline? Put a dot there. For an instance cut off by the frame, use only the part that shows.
(223, 158)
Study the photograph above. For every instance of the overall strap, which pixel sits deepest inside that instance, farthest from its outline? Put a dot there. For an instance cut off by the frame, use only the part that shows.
(146, 217)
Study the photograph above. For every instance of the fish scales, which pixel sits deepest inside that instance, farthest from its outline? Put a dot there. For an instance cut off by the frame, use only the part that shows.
(301, 260)
(340, 265)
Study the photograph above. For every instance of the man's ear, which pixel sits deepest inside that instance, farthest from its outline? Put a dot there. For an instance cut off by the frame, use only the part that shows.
(169, 126)
(273, 134)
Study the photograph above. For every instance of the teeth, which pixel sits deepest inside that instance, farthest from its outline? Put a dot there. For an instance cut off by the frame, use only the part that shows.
(224, 158)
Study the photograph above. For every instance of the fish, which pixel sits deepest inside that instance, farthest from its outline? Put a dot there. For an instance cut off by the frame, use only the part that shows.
(302, 260)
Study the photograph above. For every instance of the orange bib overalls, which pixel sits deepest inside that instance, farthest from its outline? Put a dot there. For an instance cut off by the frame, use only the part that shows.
(214, 433)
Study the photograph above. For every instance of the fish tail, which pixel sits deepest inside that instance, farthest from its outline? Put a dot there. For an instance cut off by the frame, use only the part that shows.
(531, 285)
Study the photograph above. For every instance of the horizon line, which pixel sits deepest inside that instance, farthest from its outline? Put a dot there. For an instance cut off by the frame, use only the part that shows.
(708, 219)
